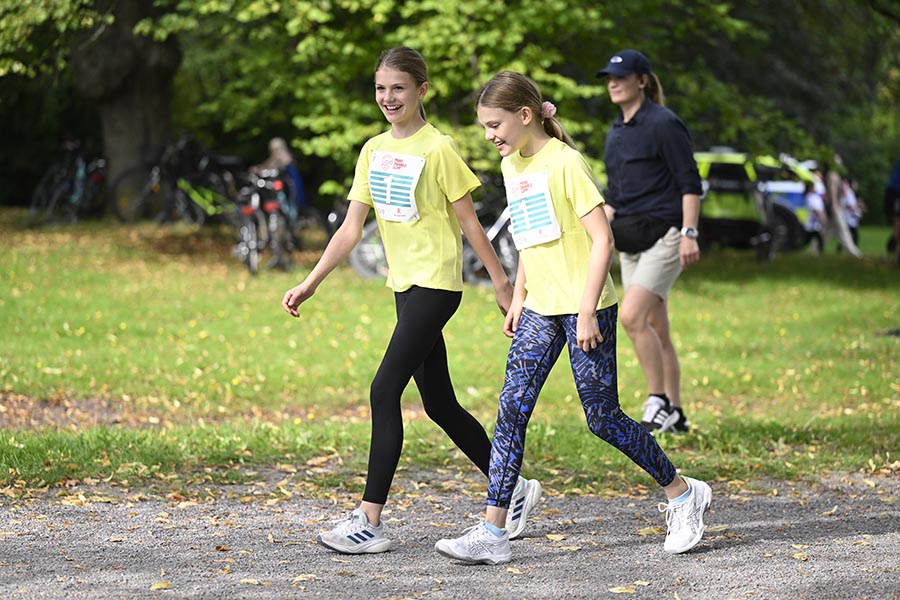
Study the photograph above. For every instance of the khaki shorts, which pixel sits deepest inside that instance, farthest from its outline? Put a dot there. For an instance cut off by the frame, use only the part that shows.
(656, 268)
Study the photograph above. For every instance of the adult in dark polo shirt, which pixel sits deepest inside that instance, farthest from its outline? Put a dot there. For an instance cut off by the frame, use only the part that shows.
(653, 206)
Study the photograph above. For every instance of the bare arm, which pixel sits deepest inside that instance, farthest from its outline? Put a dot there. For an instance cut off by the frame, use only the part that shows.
(471, 227)
(343, 241)
(511, 323)
(587, 328)
(689, 251)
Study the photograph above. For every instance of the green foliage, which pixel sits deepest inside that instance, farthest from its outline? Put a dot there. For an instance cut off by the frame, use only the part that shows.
(806, 77)
(35, 37)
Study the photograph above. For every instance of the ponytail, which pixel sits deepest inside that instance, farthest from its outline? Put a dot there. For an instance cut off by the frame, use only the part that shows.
(655, 90)
(511, 91)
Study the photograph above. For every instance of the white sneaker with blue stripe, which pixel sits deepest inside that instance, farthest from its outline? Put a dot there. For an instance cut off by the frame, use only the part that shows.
(355, 535)
(525, 496)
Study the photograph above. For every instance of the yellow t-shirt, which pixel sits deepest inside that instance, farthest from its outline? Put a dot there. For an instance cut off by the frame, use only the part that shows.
(556, 269)
(424, 248)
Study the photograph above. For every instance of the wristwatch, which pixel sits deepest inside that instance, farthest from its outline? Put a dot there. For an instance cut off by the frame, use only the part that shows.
(689, 232)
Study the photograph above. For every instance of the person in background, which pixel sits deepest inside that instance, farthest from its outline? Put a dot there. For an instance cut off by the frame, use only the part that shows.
(420, 187)
(853, 207)
(564, 298)
(816, 217)
(892, 208)
(653, 206)
(281, 158)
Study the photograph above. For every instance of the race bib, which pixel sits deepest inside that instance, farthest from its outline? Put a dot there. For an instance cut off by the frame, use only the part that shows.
(531, 209)
(392, 182)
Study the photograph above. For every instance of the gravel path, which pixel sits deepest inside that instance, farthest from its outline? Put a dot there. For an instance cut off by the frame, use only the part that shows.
(839, 539)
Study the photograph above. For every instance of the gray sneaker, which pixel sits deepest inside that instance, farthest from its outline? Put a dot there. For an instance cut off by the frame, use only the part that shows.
(355, 535)
(525, 496)
(477, 546)
(685, 520)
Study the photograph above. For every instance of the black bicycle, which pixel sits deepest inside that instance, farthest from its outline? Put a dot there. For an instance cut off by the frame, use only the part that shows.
(186, 184)
(70, 189)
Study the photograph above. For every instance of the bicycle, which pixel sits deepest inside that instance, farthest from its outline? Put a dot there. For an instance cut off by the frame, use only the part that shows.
(70, 189)
(187, 184)
(263, 211)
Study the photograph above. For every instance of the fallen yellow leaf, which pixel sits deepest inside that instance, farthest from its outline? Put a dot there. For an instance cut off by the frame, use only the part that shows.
(250, 581)
(649, 531)
(640, 583)
(622, 589)
(556, 537)
(513, 570)
(716, 528)
(828, 513)
(803, 556)
(304, 577)
(161, 585)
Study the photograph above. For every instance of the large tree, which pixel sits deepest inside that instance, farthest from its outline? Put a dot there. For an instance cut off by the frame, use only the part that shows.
(127, 77)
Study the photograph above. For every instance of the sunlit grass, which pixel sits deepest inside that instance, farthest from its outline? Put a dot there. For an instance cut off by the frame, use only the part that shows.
(783, 371)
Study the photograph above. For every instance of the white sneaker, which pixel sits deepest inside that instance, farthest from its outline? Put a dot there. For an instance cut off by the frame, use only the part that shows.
(685, 520)
(355, 535)
(525, 496)
(658, 415)
(477, 546)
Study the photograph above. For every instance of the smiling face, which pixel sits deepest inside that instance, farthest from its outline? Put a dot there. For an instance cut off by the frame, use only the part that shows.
(505, 129)
(626, 90)
(398, 97)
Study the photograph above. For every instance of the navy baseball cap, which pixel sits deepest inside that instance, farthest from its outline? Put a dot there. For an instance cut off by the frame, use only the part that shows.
(626, 62)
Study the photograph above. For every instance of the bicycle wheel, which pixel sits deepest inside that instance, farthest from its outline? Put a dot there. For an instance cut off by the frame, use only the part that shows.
(279, 242)
(131, 191)
(311, 229)
(182, 209)
(473, 269)
(60, 208)
(249, 245)
(368, 258)
(43, 192)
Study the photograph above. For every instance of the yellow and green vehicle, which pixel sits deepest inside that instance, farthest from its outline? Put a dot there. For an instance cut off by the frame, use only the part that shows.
(744, 205)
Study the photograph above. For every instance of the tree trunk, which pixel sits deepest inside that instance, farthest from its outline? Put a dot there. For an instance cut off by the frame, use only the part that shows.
(130, 80)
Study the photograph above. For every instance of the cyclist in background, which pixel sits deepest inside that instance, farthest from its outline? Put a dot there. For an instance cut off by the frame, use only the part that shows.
(281, 158)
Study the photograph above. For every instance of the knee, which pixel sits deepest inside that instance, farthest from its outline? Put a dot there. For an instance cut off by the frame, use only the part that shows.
(439, 412)
(634, 321)
(600, 425)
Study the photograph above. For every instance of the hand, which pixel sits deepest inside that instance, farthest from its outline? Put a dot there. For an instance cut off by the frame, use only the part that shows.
(689, 251)
(296, 296)
(587, 332)
(504, 295)
(511, 323)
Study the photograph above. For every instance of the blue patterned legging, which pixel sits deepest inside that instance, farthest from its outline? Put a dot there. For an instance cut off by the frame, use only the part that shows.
(538, 342)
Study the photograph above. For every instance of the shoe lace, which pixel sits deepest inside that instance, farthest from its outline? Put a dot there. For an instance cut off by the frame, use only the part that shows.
(350, 524)
(678, 515)
(476, 538)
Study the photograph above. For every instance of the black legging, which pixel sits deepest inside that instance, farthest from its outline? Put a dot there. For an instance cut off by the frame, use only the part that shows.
(417, 350)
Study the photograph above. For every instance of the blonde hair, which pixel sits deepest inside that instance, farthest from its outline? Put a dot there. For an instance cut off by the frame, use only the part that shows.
(654, 89)
(511, 91)
(406, 60)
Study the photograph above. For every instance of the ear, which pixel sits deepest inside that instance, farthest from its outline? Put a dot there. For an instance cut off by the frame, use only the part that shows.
(423, 89)
(527, 115)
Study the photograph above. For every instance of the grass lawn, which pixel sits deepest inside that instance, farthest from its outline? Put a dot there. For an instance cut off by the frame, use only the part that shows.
(148, 354)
